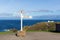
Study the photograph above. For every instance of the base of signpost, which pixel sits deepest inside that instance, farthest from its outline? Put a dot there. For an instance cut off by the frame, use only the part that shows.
(21, 33)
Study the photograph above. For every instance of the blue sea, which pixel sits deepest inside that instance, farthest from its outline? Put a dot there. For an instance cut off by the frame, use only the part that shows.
(9, 24)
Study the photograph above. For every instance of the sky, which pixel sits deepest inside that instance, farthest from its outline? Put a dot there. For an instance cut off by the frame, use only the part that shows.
(10, 8)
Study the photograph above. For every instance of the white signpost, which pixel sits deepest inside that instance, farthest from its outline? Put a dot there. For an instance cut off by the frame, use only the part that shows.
(23, 16)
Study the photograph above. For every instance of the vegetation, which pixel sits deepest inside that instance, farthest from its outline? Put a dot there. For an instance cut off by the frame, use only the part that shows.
(8, 32)
(43, 26)
(13, 30)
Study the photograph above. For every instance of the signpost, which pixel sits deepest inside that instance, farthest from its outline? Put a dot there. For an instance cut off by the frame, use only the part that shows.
(23, 16)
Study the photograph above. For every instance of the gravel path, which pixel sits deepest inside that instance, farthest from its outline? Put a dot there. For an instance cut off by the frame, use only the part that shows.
(33, 36)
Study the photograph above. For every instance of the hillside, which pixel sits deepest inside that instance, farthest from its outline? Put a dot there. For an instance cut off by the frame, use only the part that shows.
(43, 26)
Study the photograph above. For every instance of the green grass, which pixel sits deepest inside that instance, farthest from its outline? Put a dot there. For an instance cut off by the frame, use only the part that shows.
(41, 27)
(9, 32)
(36, 31)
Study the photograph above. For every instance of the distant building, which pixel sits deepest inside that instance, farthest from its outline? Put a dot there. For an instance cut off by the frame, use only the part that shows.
(50, 21)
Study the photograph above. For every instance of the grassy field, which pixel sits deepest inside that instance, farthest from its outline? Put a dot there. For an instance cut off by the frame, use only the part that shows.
(9, 32)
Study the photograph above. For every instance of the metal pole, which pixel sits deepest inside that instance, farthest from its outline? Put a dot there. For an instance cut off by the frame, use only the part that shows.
(21, 22)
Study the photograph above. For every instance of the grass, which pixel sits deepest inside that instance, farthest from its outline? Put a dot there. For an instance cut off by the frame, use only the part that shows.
(8, 32)
(41, 27)
(36, 31)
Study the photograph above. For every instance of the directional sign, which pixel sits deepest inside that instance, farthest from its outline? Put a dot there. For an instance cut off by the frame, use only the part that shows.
(23, 16)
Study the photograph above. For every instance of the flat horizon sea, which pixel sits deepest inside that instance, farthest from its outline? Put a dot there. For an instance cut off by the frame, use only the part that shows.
(10, 24)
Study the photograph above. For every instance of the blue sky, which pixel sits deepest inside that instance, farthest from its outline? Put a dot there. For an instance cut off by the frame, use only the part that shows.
(11, 7)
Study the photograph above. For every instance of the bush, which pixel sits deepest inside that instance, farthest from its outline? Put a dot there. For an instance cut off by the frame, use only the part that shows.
(13, 30)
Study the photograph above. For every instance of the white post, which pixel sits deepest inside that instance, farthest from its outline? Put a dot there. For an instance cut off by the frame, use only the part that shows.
(21, 22)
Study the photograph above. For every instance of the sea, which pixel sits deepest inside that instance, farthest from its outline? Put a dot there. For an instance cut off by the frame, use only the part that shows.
(10, 24)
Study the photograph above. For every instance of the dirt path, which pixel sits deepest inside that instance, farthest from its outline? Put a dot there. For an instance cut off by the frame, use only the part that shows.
(33, 36)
